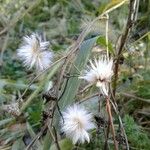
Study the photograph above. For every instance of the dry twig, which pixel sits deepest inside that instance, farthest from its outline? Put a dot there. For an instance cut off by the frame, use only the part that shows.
(123, 40)
(108, 107)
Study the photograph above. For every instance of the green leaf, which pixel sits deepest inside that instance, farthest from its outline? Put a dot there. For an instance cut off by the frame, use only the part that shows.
(47, 141)
(33, 134)
(64, 144)
(80, 62)
(102, 42)
(18, 145)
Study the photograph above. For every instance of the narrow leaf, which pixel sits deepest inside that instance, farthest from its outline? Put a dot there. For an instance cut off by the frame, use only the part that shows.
(64, 144)
(80, 62)
(102, 42)
(18, 145)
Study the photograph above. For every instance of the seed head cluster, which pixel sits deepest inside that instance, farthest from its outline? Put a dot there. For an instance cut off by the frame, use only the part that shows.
(99, 72)
(34, 52)
(77, 123)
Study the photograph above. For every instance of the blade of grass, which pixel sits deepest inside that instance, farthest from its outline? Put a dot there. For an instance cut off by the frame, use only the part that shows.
(32, 134)
(80, 62)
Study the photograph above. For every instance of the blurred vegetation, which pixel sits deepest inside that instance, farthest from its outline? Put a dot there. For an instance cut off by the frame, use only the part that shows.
(61, 22)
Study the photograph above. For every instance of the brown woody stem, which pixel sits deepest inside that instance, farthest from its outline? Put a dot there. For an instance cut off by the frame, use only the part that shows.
(123, 41)
(108, 108)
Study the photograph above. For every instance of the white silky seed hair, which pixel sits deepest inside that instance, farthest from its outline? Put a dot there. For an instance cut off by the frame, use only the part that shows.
(33, 52)
(99, 72)
(77, 123)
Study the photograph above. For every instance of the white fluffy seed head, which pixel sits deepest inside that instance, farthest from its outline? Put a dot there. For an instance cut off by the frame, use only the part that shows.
(34, 53)
(99, 72)
(77, 122)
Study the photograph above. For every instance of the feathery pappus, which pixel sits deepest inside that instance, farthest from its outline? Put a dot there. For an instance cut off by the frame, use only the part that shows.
(34, 52)
(99, 72)
(77, 122)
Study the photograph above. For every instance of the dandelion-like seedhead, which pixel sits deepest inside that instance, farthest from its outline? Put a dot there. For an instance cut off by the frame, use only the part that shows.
(99, 72)
(34, 53)
(77, 122)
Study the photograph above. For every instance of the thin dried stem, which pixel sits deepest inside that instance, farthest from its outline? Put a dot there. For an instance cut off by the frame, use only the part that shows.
(108, 108)
(107, 136)
(121, 124)
(53, 133)
(115, 107)
(123, 40)
(88, 97)
(4, 48)
(85, 88)
(56, 138)
(107, 19)
(36, 137)
(135, 97)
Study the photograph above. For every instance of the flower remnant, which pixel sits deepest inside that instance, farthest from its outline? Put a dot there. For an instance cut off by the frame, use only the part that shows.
(33, 52)
(12, 108)
(99, 72)
(77, 122)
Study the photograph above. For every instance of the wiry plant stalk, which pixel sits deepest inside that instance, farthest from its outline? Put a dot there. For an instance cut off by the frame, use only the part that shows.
(122, 41)
(108, 108)
(106, 138)
(107, 19)
(121, 125)
(54, 136)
